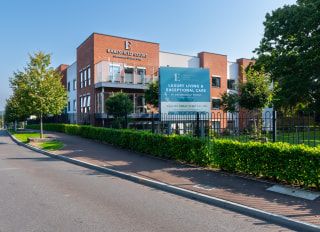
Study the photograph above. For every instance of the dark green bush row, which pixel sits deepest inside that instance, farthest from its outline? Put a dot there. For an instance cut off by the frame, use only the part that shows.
(184, 148)
(281, 161)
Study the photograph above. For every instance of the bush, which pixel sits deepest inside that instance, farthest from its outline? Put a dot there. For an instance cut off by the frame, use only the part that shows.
(184, 148)
(295, 164)
(280, 161)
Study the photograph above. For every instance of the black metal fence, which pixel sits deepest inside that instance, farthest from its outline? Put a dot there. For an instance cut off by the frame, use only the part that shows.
(269, 126)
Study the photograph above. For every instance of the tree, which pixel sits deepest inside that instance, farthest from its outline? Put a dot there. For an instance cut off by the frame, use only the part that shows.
(13, 111)
(119, 106)
(151, 94)
(290, 53)
(38, 89)
(229, 102)
(254, 94)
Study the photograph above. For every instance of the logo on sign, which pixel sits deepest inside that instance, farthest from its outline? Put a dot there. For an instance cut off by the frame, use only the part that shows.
(127, 53)
(127, 45)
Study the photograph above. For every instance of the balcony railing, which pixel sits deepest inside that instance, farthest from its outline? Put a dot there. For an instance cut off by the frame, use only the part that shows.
(116, 73)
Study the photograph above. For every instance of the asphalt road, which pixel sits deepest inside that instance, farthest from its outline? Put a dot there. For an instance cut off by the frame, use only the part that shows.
(39, 193)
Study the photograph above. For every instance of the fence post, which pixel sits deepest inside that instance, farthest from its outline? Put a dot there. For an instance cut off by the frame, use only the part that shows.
(152, 115)
(198, 129)
(202, 129)
(169, 128)
(274, 125)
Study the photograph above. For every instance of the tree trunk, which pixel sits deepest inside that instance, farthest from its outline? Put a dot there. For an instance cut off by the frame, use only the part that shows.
(41, 128)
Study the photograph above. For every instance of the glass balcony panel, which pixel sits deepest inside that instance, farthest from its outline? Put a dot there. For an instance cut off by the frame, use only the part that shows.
(116, 78)
(140, 79)
(113, 72)
(128, 78)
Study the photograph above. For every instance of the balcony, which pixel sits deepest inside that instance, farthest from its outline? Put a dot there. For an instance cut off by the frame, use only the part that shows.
(120, 75)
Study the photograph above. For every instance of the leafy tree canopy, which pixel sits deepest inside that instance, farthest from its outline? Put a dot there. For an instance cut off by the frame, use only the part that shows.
(229, 102)
(38, 89)
(151, 94)
(254, 93)
(14, 112)
(290, 53)
(119, 104)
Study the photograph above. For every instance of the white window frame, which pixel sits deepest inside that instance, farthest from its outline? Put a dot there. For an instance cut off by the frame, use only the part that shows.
(89, 75)
(212, 101)
(233, 87)
(88, 100)
(214, 76)
(84, 101)
(85, 78)
(81, 79)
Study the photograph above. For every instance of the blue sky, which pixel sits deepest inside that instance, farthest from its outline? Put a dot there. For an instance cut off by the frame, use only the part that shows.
(229, 27)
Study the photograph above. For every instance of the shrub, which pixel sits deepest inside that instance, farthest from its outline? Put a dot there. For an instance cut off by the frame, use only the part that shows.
(184, 148)
(281, 161)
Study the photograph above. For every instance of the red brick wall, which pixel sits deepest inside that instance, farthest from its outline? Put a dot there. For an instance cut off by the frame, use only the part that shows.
(243, 63)
(94, 50)
(217, 64)
(104, 42)
(62, 69)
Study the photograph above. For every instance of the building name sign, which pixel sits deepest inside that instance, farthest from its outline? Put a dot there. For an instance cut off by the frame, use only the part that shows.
(127, 53)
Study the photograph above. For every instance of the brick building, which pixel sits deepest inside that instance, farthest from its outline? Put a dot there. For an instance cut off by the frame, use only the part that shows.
(107, 64)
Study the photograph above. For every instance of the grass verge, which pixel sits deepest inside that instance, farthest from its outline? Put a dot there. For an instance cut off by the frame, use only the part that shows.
(51, 145)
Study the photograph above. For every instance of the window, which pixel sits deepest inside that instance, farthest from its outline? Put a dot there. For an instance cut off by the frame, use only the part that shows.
(114, 71)
(84, 77)
(231, 124)
(215, 125)
(81, 79)
(68, 106)
(215, 104)
(68, 87)
(88, 101)
(74, 84)
(88, 104)
(81, 102)
(89, 76)
(231, 84)
(215, 82)
(128, 74)
(84, 101)
(74, 105)
(141, 71)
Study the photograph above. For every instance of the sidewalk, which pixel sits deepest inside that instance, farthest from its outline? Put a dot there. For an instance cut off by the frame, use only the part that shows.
(247, 192)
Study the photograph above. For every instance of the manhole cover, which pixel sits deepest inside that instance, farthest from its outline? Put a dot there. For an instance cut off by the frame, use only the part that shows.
(207, 187)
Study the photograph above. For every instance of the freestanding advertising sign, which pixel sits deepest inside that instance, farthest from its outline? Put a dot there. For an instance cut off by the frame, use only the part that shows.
(184, 91)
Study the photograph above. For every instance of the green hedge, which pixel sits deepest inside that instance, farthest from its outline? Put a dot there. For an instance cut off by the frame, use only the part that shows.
(281, 161)
(183, 148)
